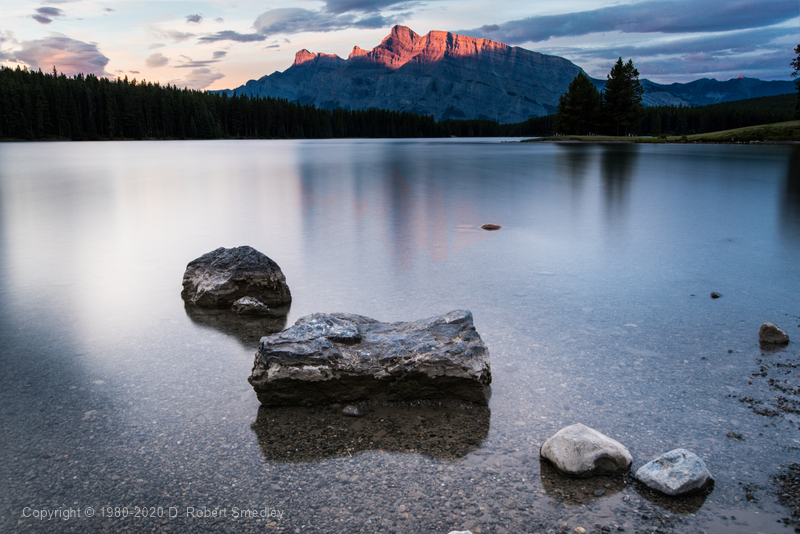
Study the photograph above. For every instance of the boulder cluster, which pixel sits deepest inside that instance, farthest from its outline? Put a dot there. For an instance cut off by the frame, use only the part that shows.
(581, 451)
(340, 358)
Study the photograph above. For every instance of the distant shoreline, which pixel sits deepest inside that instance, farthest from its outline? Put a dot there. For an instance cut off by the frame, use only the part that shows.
(782, 133)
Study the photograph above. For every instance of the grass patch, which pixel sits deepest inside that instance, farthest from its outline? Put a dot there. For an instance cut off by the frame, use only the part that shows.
(769, 133)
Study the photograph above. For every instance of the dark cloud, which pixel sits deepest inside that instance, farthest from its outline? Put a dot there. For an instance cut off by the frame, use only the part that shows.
(67, 55)
(361, 6)
(219, 19)
(196, 19)
(727, 43)
(228, 35)
(289, 20)
(336, 15)
(665, 16)
(50, 11)
(45, 15)
(219, 54)
(156, 60)
(756, 53)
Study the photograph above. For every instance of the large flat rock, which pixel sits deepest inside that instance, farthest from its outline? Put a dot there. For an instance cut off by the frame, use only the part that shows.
(340, 357)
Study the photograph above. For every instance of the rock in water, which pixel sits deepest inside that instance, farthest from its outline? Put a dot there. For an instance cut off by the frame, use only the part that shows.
(580, 451)
(251, 306)
(677, 472)
(769, 333)
(340, 357)
(219, 278)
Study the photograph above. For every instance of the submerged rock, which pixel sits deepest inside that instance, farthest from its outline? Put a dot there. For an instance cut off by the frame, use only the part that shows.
(221, 277)
(769, 333)
(254, 307)
(581, 451)
(677, 472)
(340, 357)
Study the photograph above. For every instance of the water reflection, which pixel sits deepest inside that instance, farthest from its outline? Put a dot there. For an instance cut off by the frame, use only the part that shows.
(617, 167)
(247, 330)
(684, 505)
(413, 214)
(577, 157)
(790, 206)
(572, 490)
(446, 430)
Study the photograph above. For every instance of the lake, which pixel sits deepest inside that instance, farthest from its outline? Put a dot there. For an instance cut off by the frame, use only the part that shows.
(122, 410)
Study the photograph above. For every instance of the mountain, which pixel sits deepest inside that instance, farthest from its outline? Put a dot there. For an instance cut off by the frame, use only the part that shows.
(442, 74)
(453, 76)
(710, 91)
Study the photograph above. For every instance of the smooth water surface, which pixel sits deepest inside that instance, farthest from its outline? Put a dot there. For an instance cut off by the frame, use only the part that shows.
(593, 300)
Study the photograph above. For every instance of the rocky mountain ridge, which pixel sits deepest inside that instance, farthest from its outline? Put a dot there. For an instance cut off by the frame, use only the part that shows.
(453, 76)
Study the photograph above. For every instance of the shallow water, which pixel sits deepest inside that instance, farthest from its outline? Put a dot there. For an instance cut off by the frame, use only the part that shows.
(593, 300)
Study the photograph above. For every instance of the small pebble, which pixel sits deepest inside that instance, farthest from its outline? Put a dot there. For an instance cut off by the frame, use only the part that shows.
(352, 411)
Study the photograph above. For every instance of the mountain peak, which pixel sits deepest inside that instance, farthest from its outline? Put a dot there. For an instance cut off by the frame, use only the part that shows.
(404, 46)
(304, 56)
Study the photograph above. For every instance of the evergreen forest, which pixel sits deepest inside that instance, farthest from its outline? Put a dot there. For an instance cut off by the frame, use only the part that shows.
(52, 106)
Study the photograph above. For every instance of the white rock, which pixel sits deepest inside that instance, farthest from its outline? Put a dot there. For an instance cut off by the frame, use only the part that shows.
(677, 472)
(578, 450)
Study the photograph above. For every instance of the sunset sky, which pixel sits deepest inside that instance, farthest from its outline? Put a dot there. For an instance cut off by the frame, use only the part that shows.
(221, 45)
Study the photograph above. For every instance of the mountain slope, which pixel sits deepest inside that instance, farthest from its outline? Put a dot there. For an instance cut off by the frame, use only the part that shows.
(440, 74)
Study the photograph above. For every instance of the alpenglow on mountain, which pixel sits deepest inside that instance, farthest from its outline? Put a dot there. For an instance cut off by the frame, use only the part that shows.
(442, 74)
(453, 76)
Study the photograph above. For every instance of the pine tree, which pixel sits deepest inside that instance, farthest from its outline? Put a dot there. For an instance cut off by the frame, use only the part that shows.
(795, 74)
(622, 100)
(579, 107)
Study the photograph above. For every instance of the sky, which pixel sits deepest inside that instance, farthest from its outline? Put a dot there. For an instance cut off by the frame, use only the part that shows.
(223, 44)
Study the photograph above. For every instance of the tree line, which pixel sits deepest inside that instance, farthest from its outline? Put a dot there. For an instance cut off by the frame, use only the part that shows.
(36, 105)
(618, 109)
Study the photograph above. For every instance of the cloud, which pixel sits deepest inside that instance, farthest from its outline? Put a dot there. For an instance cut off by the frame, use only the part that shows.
(219, 19)
(362, 6)
(759, 53)
(336, 15)
(67, 55)
(228, 35)
(201, 78)
(195, 19)
(290, 20)
(173, 35)
(45, 15)
(189, 63)
(738, 42)
(664, 16)
(156, 60)
(50, 11)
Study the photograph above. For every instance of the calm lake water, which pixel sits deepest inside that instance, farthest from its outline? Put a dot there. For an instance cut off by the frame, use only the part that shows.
(593, 300)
